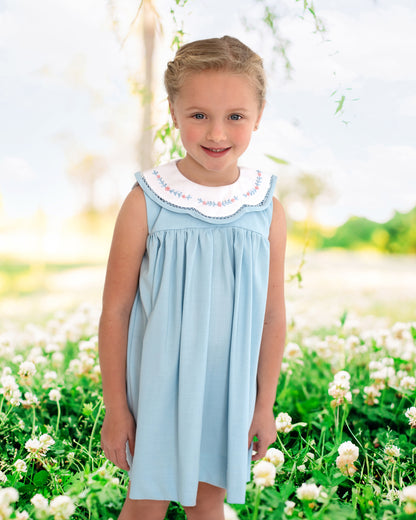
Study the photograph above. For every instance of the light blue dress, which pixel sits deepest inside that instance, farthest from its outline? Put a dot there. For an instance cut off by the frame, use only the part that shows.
(195, 332)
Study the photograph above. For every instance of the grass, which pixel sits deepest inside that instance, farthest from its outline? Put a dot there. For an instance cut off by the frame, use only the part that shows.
(62, 355)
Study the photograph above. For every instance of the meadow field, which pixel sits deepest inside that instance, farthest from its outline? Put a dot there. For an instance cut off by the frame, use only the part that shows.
(345, 407)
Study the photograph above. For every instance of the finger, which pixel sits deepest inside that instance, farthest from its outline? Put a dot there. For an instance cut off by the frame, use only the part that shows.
(255, 455)
(261, 448)
(121, 460)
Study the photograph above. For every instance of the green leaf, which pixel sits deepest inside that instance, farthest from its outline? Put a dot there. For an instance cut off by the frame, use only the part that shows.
(340, 105)
(277, 160)
(41, 478)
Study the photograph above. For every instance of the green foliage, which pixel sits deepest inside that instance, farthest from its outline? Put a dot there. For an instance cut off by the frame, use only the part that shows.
(398, 235)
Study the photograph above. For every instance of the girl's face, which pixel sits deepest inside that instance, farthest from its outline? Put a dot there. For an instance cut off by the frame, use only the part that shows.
(216, 113)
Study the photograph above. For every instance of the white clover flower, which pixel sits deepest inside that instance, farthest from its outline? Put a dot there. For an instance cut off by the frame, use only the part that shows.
(27, 369)
(374, 366)
(386, 374)
(49, 378)
(308, 492)
(35, 352)
(371, 395)
(57, 359)
(40, 360)
(23, 515)
(408, 383)
(75, 366)
(7, 496)
(409, 496)
(348, 454)
(230, 513)
(39, 446)
(87, 361)
(349, 449)
(30, 400)
(62, 507)
(275, 456)
(392, 452)
(387, 362)
(14, 399)
(33, 445)
(52, 347)
(352, 343)
(339, 388)
(285, 368)
(20, 466)
(40, 503)
(345, 465)
(401, 330)
(3, 476)
(293, 351)
(264, 473)
(410, 413)
(301, 468)
(10, 389)
(46, 442)
(90, 345)
(55, 395)
(289, 507)
(8, 382)
(284, 423)
(342, 375)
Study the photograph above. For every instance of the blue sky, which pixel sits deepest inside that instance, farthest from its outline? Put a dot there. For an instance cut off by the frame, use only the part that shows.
(64, 93)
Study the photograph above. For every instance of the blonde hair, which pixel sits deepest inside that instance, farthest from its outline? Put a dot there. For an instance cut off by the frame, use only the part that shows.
(226, 53)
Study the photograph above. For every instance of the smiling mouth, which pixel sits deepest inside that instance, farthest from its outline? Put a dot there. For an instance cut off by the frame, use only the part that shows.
(216, 150)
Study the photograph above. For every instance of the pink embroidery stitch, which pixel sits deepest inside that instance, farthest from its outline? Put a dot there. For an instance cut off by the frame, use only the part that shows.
(211, 203)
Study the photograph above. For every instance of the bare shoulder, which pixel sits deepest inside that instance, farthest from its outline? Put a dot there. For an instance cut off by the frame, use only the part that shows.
(134, 204)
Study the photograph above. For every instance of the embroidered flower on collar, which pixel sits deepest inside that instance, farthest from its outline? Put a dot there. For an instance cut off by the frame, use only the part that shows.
(167, 183)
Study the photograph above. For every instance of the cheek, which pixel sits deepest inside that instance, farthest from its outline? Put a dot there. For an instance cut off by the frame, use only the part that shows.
(190, 134)
(243, 135)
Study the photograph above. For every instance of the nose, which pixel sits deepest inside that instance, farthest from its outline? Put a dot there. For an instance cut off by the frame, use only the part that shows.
(216, 131)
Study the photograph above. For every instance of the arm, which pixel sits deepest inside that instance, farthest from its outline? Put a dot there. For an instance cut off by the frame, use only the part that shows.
(273, 339)
(126, 253)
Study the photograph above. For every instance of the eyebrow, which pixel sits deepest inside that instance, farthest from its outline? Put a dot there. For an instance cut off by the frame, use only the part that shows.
(201, 109)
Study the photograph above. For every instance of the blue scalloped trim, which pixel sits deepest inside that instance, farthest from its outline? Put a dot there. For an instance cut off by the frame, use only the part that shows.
(196, 213)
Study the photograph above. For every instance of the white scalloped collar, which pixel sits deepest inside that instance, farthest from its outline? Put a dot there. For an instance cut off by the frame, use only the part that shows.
(252, 189)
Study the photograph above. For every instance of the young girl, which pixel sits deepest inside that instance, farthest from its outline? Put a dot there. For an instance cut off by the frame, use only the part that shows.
(193, 322)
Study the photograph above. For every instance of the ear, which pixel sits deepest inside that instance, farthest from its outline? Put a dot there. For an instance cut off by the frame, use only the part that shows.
(256, 126)
(172, 113)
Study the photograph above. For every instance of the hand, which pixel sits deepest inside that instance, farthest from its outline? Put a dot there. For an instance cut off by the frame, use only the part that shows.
(264, 428)
(118, 429)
